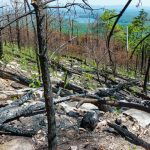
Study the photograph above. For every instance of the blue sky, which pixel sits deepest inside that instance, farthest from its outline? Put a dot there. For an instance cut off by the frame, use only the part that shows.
(112, 2)
(99, 2)
(117, 2)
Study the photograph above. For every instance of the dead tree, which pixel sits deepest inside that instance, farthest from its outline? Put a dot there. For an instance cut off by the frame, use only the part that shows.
(27, 29)
(1, 41)
(35, 40)
(17, 25)
(10, 30)
(112, 31)
(40, 16)
(1, 44)
(146, 76)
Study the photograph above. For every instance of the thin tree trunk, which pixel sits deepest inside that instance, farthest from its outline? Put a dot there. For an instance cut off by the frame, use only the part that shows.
(17, 26)
(40, 16)
(146, 76)
(10, 31)
(27, 30)
(1, 44)
(35, 42)
(136, 65)
(142, 58)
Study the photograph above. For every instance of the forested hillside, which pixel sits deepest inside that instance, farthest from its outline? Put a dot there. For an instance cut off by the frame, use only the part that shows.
(74, 76)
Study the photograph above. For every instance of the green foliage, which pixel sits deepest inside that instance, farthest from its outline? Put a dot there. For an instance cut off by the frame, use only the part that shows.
(36, 82)
(135, 89)
(123, 71)
(107, 19)
(11, 53)
(88, 76)
(133, 148)
(138, 28)
(139, 22)
(117, 111)
(113, 98)
(87, 81)
(7, 56)
(86, 68)
(24, 63)
(66, 81)
(104, 24)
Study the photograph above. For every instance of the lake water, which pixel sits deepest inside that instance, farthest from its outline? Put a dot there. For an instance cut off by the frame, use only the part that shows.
(85, 20)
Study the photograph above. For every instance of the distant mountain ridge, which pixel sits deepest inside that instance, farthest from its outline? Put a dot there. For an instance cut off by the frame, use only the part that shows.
(127, 17)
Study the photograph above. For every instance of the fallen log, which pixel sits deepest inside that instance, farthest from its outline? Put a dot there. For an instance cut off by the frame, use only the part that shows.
(16, 112)
(58, 66)
(75, 58)
(26, 110)
(104, 75)
(62, 93)
(71, 86)
(18, 131)
(111, 91)
(64, 99)
(130, 136)
(26, 129)
(138, 94)
(15, 77)
(103, 102)
(19, 102)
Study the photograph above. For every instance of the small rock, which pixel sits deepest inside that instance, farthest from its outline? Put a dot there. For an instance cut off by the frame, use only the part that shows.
(73, 114)
(18, 144)
(71, 133)
(100, 124)
(66, 107)
(124, 119)
(88, 106)
(3, 96)
(9, 102)
(73, 148)
(89, 121)
(17, 85)
(118, 121)
(135, 127)
(82, 130)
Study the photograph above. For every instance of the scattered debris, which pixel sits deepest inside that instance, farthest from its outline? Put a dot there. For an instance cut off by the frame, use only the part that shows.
(22, 112)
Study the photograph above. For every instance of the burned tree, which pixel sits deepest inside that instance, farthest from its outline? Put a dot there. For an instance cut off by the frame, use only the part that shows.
(1, 41)
(1, 44)
(40, 16)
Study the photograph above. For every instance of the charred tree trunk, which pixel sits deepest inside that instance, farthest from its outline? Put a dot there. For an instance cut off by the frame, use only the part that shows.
(72, 27)
(142, 59)
(35, 41)
(1, 44)
(136, 65)
(27, 30)
(146, 76)
(17, 26)
(40, 16)
(18, 35)
(10, 31)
